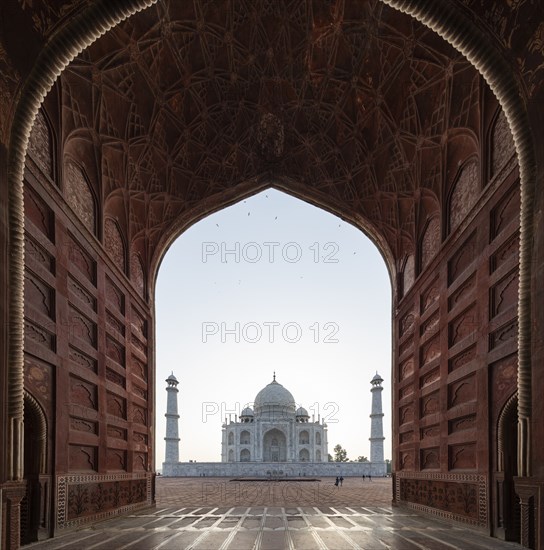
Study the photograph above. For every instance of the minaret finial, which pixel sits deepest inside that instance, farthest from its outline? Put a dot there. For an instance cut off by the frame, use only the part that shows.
(274, 376)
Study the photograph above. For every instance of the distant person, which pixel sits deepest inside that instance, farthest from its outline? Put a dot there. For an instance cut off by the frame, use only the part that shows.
(337, 481)
(363, 477)
(369, 477)
(341, 481)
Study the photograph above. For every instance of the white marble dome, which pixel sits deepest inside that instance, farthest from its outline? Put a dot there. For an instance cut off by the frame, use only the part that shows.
(274, 400)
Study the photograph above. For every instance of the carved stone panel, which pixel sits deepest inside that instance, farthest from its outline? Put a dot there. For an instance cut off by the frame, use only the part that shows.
(429, 296)
(406, 369)
(462, 359)
(430, 404)
(81, 327)
(38, 212)
(463, 292)
(78, 257)
(83, 393)
(464, 195)
(504, 334)
(430, 377)
(83, 425)
(463, 326)
(79, 196)
(83, 458)
(462, 391)
(116, 405)
(430, 242)
(114, 244)
(406, 460)
(502, 143)
(461, 424)
(40, 146)
(504, 294)
(430, 458)
(406, 324)
(430, 350)
(505, 212)
(39, 294)
(114, 297)
(462, 258)
(462, 456)
(504, 375)
(406, 414)
(508, 252)
(116, 459)
(82, 359)
(115, 351)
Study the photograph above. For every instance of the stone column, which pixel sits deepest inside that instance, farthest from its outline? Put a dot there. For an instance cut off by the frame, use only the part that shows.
(171, 455)
(376, 421)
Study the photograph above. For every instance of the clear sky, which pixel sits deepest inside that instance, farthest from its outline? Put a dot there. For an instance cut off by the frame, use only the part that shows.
(315, 307)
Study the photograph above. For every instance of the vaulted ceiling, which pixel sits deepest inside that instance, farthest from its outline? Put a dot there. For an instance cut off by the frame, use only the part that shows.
(353, 100)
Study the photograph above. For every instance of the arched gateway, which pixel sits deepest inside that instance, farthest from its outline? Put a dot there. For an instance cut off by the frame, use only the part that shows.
(175, 114)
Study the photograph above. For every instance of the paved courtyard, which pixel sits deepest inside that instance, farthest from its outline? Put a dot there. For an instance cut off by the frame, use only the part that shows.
(213, 514)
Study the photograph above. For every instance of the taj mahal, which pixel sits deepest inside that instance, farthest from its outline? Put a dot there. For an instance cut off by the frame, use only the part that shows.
(274, 436)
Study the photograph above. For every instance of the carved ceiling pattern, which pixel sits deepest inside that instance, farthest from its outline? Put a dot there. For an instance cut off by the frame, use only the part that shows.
(353, 100)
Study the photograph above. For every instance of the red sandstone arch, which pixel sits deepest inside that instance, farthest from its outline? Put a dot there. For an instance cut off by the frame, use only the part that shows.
(445, 19)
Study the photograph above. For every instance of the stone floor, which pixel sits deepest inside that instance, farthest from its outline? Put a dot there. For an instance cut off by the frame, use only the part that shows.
(215, 514)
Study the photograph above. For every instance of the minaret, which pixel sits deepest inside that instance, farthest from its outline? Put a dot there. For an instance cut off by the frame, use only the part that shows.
(171, 455)
(376, 421)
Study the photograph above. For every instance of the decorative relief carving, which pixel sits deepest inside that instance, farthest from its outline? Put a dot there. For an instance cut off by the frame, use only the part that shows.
(83, 393)
(430, 431)
(39, 254)
(461, 359)
(406, 324)
(115, 351)
(139, 415)
(90, 499)
(78, 195)
(140, 438)
(82, 327)
(139, 324)
(509, 251)
(82, 359)
(406, 391)
(140, 461)
(116, 378)
(430, 458)
(137, 275)
(464, 195)
(463, 326)
(430, 242)
(138, 345)
(505, 212)
(431, 324)
(39, 294)
(406, 460)
(504, 294)
(114, 325)
(116, 432)
(504, 374)
(81, 260)
(462, 391)
(429, 378)
(406, 369)
(409, 273)
(114, 244)
(39, 335)
(81, 425)
(405, 346)
(430, 404)
(463, 292)
(458, 499)
(429, 296)
(82, 458)
(38, 378)
(79, 292)
(502, 143)
(461, 424)
(40, 146)
(406, 414)
(430, 350)
(462, 259)
(116, 405)
(504, 334)
(139, 368)
(114, 297)
(116, 459)
(140, 392)
(462, 456)
(38, 212)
